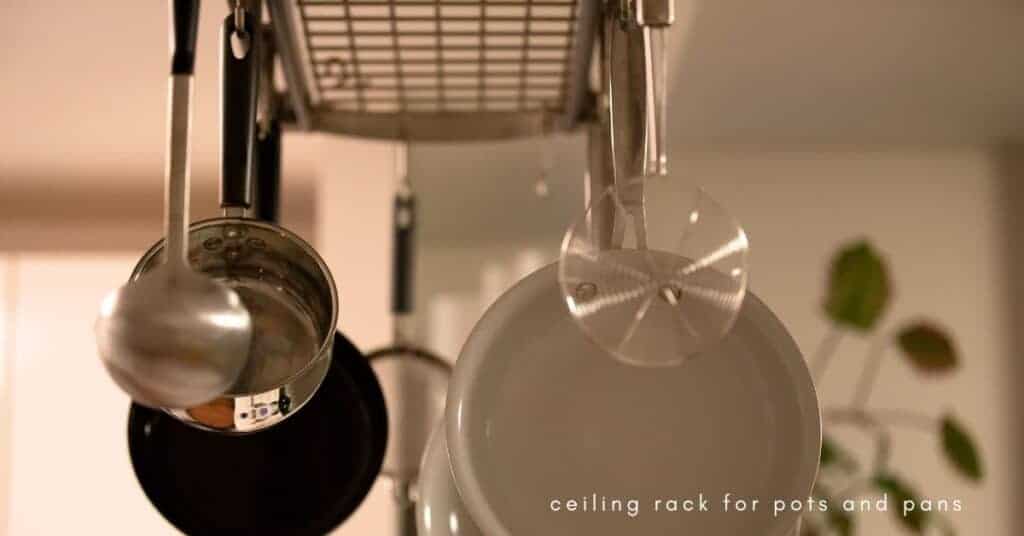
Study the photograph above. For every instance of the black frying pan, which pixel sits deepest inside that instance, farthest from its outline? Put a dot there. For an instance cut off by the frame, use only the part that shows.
(304, 476)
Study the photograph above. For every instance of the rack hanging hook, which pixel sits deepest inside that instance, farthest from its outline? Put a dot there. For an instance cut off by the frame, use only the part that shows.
(239, 12)
(401, 163)
(242, 30)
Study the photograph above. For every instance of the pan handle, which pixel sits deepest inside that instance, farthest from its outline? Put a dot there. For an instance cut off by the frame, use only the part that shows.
(402, 272)
(268, 174)
(239, 88)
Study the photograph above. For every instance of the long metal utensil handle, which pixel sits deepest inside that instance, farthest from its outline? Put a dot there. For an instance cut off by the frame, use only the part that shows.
(184, 28)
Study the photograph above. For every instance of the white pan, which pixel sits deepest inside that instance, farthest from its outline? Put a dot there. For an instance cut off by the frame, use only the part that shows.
(440, 510)
(537, 413)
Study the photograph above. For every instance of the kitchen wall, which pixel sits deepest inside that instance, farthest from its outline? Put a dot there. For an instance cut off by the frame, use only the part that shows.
(6, 361)
(941, 216)
(62, 423)
(1010, 166)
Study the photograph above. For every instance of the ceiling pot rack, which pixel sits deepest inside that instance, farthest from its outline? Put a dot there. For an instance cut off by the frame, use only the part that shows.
(449, 70)
(474, 70)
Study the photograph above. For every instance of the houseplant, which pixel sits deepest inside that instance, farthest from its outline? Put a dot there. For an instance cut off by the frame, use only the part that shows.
(857, 294)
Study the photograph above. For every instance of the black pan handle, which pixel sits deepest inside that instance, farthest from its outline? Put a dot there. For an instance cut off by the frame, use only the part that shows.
(404, 226)
(268, 174)
(239, 89)
(185, 27)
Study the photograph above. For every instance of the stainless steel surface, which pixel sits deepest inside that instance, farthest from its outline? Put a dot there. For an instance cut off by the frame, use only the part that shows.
(600, 176)
(655, 12)
(174, 338)
(292, 300)
(436, 69)
(656, 76)
(626, 90)
(633, 80)
(580, 98)
(176, 200)
(285, 41)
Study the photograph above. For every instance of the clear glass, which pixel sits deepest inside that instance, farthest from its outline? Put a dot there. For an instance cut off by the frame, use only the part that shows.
(654, 271)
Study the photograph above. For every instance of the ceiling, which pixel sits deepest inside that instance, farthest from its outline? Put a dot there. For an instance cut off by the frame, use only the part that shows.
(850, 72)
(84, 98)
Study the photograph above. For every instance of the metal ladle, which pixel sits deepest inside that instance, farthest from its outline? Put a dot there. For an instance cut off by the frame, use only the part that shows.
(175, 338)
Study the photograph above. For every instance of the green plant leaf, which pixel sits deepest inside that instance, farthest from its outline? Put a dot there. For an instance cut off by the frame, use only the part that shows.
(832, 455)
(928, 348)
(858, 287)
(960, 449)
(806, 529)
(899, 491)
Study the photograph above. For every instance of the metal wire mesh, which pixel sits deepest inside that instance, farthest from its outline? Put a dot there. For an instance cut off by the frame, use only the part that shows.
(439, 55)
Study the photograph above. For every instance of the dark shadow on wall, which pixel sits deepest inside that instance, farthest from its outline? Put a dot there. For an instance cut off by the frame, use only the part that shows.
(1010, 162)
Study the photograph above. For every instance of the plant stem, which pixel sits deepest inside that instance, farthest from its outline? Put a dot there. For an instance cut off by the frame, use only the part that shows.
(906, 419)
(869, 374)
(854, 490)
(868, 423)
(825, 352)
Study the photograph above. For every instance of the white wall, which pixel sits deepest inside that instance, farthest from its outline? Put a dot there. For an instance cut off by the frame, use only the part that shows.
(7, 293)
(938, 216)
(353, 234)
(70, 472)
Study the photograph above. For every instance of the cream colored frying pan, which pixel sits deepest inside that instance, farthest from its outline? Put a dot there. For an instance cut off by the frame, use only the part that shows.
(547, 434)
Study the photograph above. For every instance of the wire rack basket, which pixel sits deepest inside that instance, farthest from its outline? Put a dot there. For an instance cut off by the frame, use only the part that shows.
(441, 70)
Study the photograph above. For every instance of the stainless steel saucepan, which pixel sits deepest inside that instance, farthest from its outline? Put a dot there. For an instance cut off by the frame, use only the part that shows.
(283, 282)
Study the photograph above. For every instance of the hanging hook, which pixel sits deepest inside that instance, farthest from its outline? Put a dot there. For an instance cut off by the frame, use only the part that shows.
(241, 34)
(401, 164)
(240, 18)
(547, 163)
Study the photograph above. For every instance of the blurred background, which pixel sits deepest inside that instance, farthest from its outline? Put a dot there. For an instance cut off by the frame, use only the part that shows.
(815, 123)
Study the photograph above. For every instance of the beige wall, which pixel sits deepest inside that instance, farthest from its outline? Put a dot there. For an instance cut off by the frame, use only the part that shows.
(353, 215)
(939, 218)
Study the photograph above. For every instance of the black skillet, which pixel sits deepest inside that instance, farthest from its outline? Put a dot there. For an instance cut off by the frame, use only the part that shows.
(304, 476)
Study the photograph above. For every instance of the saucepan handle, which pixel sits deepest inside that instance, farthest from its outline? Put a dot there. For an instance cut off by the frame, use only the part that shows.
(268, 174)
(239, 89)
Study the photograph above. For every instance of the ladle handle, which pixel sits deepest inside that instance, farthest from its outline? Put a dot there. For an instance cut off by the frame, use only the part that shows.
(184, 28)
(402, 272)
(239, 91)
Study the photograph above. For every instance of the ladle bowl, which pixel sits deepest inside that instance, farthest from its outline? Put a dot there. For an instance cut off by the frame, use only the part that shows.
(174, 338)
